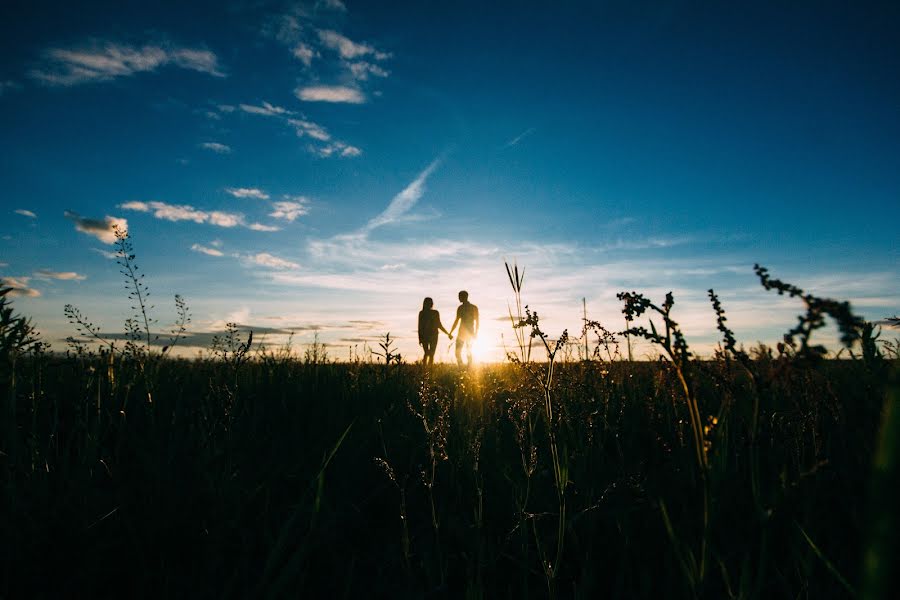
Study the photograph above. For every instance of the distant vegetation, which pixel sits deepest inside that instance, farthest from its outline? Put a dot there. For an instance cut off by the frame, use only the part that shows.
(763, 473)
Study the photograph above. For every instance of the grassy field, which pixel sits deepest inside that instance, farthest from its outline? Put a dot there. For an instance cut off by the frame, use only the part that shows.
(277, 477)
(768, 474)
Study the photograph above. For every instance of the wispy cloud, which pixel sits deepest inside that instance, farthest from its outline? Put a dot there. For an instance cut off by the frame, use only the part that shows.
(321, 141)
(185, 212)
(347, 48)
(19, 286)
(206, 250)
(105, 253)
(268, 110)
(102, 229)
(330, 93)
(520, 137)
(60, 275)
(168, 212)
(404, 201)
(313, 130)
(216, 147)
(289, 210)
(25, 213)
(103, 61)
(261, 227)
(336, 149)
(264, 259)
(247, 193)
(304, 53)
(361, 70)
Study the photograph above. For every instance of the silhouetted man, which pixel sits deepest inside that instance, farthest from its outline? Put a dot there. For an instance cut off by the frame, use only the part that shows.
(467, 317)
(429, 325)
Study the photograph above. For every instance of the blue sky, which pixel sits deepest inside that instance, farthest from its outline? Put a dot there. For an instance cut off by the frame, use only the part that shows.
(323, 166)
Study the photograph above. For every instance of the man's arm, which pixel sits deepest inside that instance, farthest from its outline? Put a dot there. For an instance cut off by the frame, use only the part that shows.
(455, 321)
(477, 321)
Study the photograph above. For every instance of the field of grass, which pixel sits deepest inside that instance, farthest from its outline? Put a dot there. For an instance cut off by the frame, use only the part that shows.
(275, 477)
(761, 475)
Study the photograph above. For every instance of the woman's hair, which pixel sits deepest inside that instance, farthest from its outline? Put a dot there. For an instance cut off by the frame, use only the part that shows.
(427, 303)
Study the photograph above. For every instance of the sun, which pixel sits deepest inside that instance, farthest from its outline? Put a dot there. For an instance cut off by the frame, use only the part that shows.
(479, 350)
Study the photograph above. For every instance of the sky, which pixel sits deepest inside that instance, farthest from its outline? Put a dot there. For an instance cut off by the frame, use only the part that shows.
(320, 167)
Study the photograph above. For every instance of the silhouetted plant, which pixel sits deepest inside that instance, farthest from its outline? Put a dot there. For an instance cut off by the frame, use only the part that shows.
(516, 280)
(849, 325)
(607, 342)
(388, 350)
(229, 347)
(17, 334)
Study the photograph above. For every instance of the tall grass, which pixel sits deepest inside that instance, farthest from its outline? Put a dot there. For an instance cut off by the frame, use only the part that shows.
(745, 475)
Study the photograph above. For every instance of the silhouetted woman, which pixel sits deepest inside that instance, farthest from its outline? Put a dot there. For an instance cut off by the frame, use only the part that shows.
(429, 325)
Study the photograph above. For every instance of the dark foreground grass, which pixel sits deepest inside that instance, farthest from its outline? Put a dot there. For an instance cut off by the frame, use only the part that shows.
(282, 478)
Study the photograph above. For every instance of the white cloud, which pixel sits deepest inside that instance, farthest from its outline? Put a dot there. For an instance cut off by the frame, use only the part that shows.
(346, 47)
(362, 69)
(520, 137)
(268, 110)
(60, 275)
(261, 227)
(247, 193)
(25, 213)
(216, 147)
(184, 212)
(330, 93)
(265, 259)
(206, 250)
(405, 200)
(104, 230)
(304, 53)
(336, 149)
(105, 253)
(313, 130)
(224, 219)
(19, 286)
(168, 212)
(104, 61)
(290, 210)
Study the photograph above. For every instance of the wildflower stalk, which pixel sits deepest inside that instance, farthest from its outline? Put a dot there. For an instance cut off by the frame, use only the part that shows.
(676, 351)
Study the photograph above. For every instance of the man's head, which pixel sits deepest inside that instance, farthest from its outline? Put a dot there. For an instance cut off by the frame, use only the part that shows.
(464, 296)
(427, 303)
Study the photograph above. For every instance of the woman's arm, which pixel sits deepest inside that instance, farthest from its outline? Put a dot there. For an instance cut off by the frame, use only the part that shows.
(437, 318)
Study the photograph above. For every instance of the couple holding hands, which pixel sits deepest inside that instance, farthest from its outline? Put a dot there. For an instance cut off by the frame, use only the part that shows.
(430, 324)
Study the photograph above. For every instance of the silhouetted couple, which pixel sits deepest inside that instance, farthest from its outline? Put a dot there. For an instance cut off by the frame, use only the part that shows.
(430, 324)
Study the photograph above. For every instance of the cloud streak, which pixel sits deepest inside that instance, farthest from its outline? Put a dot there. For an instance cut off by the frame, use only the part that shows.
(340, 94)
(206, 250)
(25, 213)
(216, 147)
(247, 193)
(59, 275)
(404, 201)
(185, 212)
(105, 61)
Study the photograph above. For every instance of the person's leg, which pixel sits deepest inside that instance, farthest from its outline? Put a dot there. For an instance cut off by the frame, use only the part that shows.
(459, 347)
(430, 347)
